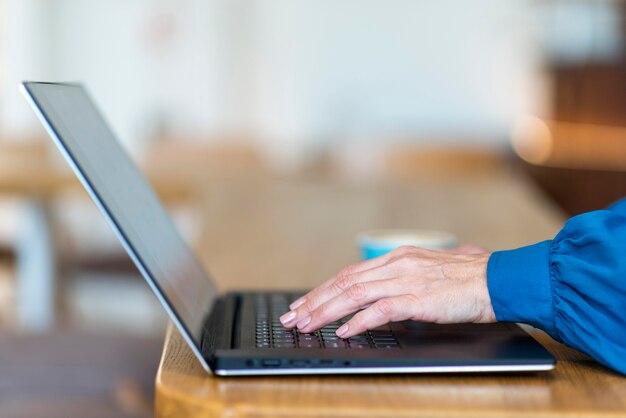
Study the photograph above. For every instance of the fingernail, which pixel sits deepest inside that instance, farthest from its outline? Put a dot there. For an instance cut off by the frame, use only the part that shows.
(304, 322)
(288, 317)
(342, 330)
(297, 303)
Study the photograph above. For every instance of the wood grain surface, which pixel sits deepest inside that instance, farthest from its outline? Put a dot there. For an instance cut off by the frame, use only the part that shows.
(293, 233)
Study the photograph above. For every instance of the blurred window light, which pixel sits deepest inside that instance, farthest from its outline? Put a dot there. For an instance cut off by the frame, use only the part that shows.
(570, 145)
(532, 139)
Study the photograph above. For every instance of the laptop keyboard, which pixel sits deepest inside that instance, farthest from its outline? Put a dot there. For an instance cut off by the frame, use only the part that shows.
(271, 334)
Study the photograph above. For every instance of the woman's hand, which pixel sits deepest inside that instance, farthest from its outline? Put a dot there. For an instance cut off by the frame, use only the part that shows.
(407, 283)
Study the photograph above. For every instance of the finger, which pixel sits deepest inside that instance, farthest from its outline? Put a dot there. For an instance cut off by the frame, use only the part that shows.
(352, 269)
(301, 316)
(355, 268)
(380, 313)
(356, 297)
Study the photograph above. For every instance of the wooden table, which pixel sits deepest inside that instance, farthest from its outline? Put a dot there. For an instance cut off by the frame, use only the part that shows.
(28, 173)
(289, 233)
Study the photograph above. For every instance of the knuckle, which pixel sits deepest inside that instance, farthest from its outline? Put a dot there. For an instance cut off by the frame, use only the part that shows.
(321, 313)
(384, 307)
(346, 271)
(308, 306)
(304, 310)
(343, 283)
(357, 292)
(404, 249)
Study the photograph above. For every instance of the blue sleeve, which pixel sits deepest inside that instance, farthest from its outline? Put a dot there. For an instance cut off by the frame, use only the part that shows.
(573, 287)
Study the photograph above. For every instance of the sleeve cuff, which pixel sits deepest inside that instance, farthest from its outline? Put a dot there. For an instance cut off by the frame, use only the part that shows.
(519, 285)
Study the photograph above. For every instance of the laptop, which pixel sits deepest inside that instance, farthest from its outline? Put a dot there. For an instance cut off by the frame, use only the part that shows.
(238, 333)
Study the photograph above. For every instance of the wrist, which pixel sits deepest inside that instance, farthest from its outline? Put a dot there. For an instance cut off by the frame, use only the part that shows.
(484, 307)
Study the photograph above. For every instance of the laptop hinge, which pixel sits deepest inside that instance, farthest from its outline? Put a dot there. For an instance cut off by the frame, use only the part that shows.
(219, 328)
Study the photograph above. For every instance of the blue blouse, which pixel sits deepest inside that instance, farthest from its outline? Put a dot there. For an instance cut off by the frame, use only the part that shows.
(573, 287)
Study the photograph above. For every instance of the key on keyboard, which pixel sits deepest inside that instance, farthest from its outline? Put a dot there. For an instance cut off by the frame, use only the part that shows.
(271, 334)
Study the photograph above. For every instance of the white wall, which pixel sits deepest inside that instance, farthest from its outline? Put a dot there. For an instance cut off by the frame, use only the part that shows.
(24, 55)
(297, 75)
(147, 63)
(151, 64)
(372, 69)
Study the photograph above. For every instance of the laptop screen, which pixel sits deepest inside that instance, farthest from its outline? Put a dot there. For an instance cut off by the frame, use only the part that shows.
(128, 202)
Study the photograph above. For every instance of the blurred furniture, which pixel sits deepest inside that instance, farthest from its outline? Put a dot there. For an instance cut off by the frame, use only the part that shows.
(33, 172)
(578, 191)
(591, 92)
(27, 171)
(571, 145)
(294, 233)
(410, 162)
(581, 166)
(586, 167)
(77, 375)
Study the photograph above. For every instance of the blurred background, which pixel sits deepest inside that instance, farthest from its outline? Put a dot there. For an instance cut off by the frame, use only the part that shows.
(200, 91)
